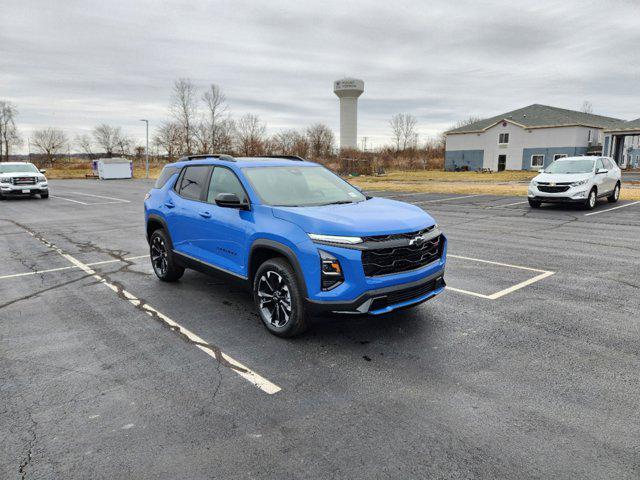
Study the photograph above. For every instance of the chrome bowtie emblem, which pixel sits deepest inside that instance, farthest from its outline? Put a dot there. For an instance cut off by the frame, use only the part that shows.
(552, 184)
(416, 241)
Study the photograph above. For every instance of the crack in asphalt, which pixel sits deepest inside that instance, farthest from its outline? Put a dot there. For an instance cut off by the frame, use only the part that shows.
(26, 461)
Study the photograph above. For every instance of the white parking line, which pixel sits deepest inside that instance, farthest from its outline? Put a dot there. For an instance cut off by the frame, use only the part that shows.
(122, 200)
(237, 367)
(509, 204)
(448, 198)
(609, 209)
(70, 200)
(37, 272)
(494, 296)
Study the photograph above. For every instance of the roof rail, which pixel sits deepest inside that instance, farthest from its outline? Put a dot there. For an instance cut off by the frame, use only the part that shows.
(219, 156)
(295, 158)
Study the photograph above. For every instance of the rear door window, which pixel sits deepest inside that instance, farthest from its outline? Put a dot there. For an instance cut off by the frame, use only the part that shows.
(167, 173)
(193, 182)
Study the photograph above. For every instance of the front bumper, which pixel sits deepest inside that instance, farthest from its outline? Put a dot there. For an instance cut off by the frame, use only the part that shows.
(577, 194)
(10, 189)
(384, 300)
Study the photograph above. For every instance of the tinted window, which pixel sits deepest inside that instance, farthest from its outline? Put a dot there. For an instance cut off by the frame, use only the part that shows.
(193, 181)
(224, 180)
(167, 173)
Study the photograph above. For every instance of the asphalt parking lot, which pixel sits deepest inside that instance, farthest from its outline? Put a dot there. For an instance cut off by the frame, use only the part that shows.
(525, 367)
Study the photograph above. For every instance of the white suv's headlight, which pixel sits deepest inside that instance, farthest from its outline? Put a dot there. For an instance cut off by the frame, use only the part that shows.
(335, 239)
(42, 178)
(579, 182)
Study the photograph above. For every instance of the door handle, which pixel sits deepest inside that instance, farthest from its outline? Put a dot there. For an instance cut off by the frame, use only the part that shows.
(169, 204)
(205, 214)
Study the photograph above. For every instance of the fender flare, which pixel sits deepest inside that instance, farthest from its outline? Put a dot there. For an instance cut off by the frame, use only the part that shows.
(285, 251)
(162, 221)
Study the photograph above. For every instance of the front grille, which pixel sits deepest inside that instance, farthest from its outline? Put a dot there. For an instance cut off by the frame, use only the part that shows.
(23, 180)
(554, 189)
(398, 236)
(405, 295)
(385, 261)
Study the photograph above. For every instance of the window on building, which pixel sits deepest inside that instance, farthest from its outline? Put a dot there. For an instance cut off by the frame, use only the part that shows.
(537, 161)
(559, 155)
(503, 139)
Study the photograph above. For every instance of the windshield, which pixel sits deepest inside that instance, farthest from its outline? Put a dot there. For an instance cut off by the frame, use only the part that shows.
(300, 186)
(21, 168)
(570, 166)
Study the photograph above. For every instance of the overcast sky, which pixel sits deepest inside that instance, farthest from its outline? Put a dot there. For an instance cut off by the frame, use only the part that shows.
(75, 63)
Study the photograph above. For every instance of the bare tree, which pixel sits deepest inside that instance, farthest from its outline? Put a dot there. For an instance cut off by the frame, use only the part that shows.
(403, 131)
(467, 121)
(214, 100)
(185, 110)
(169, 139)
(106, 137)
(49, 141)
(84, 143)
(320, 138)
(123, 142)
(250, 133)
(9, 136)
(587, 107)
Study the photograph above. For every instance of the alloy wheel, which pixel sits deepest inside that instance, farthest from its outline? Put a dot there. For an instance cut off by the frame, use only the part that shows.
(159, 256)
(592, 199)
(274, 299)
(616, 192)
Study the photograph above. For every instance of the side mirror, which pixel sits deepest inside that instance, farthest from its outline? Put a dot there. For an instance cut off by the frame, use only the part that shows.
(43, 170)
(601, 171)
(230, 200)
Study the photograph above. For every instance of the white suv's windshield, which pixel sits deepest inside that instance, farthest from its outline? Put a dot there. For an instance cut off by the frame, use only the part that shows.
(570, 166)
(26, 167)
(300, 186)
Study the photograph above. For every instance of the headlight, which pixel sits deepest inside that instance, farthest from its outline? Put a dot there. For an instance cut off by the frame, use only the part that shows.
(5, 180)
(330, 271)
(42, 178)
(335, 239)
(534, 183)
(579, 182)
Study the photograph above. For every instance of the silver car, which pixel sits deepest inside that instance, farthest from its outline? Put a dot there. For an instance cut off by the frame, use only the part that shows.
(579, 180)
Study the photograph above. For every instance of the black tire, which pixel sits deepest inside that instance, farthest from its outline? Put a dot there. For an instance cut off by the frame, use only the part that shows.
(44, 196)
(534, 203)
(613, 198)
(162, 259)
(275, 278)
(591, 200)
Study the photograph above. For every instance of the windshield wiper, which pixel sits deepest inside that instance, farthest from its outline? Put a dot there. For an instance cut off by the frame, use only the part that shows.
(339, 202)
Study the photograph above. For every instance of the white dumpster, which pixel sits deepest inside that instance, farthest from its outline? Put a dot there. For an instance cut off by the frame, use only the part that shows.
(111, 168)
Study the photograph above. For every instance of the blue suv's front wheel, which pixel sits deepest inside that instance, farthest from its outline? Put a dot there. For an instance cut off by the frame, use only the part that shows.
(162, 258)
(278, 297)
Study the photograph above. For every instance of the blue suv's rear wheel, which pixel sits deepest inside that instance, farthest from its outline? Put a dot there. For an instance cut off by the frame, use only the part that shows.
(279, 299)
(162, 258)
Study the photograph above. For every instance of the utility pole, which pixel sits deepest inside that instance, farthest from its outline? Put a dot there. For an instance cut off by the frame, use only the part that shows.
(146, 150)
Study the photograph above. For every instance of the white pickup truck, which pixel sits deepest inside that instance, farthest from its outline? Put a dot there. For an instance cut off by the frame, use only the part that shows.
(22, 178)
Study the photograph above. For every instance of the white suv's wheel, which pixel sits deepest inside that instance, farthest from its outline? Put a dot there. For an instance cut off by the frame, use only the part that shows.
(613, 198)
(591, 200)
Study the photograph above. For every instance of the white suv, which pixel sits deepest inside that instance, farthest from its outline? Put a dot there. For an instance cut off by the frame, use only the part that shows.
(22, 178)
(578, 180)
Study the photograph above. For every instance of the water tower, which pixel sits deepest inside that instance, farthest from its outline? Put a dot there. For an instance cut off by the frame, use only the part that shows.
(348, 90)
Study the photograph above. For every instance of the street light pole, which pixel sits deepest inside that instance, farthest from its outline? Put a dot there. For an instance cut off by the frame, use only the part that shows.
(146, 150)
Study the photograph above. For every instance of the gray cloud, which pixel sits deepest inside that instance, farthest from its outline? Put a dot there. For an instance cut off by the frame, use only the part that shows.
(75, 63)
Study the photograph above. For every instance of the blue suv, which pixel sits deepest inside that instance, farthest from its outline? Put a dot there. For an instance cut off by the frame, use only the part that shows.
(303, 239)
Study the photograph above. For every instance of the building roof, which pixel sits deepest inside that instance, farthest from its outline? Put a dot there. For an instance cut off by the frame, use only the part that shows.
(541, 116)
(623, 126)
